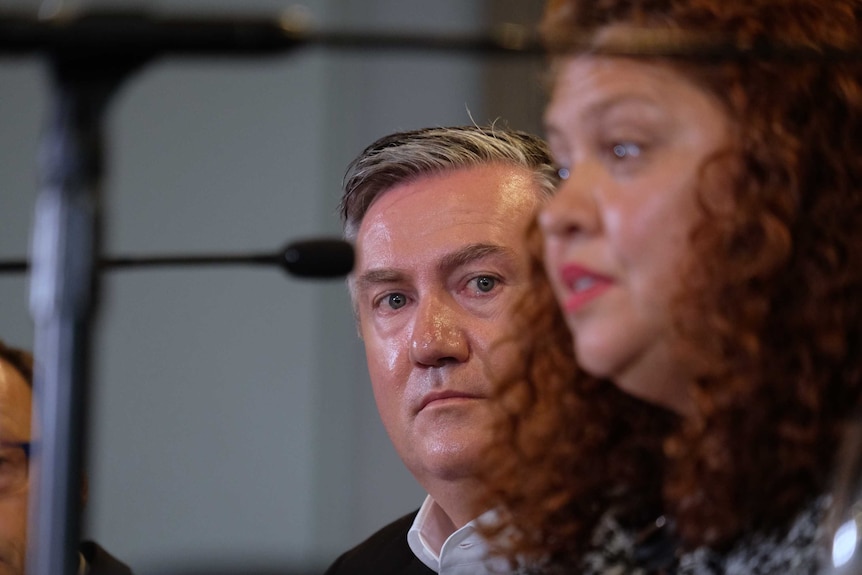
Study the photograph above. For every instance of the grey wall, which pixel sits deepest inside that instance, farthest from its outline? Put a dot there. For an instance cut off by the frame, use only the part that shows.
(232, 420)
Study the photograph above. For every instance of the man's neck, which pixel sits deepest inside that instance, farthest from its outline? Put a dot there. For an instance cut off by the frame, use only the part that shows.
(438, 526)
(457, 500)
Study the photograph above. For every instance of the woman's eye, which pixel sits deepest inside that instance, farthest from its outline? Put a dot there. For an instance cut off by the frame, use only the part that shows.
(485, 284)
(623, 150)
(396, 300)
(563, 173)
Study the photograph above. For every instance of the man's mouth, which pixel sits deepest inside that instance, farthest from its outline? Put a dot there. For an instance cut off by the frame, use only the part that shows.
(439, 397)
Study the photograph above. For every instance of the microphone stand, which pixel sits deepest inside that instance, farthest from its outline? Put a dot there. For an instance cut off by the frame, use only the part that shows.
(63, 295)
(85, 71)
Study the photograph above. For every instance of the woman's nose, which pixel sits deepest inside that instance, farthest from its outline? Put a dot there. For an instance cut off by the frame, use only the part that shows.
(573, 210)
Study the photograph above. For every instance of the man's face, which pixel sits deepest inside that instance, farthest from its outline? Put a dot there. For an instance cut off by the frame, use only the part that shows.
(440, 261)
(15, 404)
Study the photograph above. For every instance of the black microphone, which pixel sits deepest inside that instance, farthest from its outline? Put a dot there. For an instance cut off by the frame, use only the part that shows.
(320, 258)
(313, 258)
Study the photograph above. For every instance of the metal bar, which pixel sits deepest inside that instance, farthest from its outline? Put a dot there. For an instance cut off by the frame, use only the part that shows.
(63, 293)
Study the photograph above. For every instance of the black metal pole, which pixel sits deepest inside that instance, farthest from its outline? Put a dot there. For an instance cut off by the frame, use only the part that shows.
(63, 292)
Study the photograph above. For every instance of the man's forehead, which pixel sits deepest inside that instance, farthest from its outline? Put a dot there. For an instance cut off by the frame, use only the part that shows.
(491, 190)
(430, 231)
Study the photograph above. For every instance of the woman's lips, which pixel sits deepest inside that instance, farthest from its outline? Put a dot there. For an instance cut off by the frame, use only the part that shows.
(582, 285)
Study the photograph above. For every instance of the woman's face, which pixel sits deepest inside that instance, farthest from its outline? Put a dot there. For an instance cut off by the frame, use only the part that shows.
(631, 138)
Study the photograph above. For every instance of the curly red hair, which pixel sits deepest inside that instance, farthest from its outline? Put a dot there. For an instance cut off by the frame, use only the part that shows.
(771, 305)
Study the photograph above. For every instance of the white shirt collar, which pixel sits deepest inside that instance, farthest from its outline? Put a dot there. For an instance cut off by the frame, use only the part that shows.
(462, 552)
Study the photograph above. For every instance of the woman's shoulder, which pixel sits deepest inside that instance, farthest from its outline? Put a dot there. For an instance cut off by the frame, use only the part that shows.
(798, 549)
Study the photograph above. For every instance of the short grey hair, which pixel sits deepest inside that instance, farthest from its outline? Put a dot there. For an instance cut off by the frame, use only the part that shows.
(403, 157)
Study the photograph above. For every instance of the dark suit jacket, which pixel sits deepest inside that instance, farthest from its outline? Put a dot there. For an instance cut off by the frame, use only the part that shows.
(384, 553)
(100, 562)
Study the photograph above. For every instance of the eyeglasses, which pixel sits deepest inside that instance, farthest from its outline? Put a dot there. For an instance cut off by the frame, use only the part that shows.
(14, 460)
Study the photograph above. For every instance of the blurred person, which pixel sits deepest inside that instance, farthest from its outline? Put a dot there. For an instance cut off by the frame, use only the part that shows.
(16, 397)
(698, 357)
(437, 217)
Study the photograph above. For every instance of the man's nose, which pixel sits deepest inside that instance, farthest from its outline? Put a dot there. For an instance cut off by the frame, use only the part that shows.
(438, 336)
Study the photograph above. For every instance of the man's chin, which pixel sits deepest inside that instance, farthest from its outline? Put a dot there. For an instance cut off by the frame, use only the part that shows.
(454, 463)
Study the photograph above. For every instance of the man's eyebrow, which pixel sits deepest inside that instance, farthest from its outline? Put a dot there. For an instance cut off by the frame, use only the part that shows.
(379, 276)
(471, 253)
(452, 261)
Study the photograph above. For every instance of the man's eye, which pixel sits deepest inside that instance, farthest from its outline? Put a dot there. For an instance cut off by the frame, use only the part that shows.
(563, 173)
(485, 284)
(396, 300)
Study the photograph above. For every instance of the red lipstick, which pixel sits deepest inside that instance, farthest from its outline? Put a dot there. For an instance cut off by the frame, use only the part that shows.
(582, 286)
